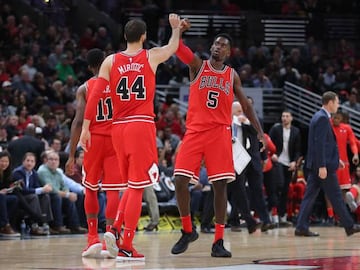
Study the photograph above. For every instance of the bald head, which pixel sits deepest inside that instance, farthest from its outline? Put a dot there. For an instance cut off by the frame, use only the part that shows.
(236, 108)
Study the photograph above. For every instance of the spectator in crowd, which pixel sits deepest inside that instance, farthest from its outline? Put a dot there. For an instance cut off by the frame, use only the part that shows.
(27, 143)
(60, 196)
(24, 118)
(24, 85)
(8, 201)
(29, 67)
(289, 73)
(4, 75)
(12, 127)
(64, 68)
(51, 128)
(33, 198)
(102, 38)
(55, 56)
(352, 103)
(3, 138)
(261, 80)
(327, 79)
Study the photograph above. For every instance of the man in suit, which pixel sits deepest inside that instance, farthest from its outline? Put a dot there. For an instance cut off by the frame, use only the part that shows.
(322, 163)
(286, 138)
(27, 143)
(237, 194)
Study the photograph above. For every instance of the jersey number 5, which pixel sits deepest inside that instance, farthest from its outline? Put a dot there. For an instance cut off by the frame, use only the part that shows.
(104, 111)
(212, 100)
(137, 88)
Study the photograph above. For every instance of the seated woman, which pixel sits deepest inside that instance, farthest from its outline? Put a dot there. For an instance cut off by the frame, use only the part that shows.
(8, 201)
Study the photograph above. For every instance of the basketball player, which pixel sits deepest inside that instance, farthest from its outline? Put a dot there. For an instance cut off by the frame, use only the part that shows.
(208, 135)
(131, 76)
(100, 162)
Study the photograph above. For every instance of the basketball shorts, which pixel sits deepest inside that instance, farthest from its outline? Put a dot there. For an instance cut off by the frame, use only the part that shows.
(135, 146)
(343, 176)
(101, 166)
(214, 147)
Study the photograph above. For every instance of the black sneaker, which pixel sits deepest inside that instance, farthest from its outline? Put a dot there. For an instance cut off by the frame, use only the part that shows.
(184, 241)
(218, 249)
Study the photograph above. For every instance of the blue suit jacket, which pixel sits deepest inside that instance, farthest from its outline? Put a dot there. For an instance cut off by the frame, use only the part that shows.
(322, 146)
(20, 174)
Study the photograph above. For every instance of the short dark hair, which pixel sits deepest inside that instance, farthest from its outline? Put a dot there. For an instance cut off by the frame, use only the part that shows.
(134, 29)
(225, 35)
(95, 57)
(328, 96)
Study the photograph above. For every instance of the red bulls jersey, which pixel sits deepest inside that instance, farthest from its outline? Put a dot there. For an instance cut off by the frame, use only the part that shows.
(345, 135)
(132, 84)
(103, 117)
(211, 97)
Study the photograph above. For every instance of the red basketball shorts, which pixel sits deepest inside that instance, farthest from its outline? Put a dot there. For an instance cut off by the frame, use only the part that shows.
(101, 165)
(212, 146)
(135, 146)
(343, 176)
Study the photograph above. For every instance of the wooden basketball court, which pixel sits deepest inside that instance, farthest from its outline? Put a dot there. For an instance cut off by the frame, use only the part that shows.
(276, 249)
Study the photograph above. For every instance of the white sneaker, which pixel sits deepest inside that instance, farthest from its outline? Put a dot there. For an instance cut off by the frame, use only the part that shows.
(104, 252)
(350, 201)
(111, 246)
(92, 250)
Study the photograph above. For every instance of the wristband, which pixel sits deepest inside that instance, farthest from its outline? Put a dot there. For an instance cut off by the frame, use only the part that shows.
(67, 194)
(184, 53)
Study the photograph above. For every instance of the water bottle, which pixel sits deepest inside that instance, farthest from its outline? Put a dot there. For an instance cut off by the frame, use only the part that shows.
(23, 228)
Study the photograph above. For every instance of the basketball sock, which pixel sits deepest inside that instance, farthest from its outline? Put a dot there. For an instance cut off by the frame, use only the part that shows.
(92, 227)
(186, 224)
(330, 212)
(112, 203)
(129, 235)
(119, 219)
(219, 231)
(131, 215)
(91, 203)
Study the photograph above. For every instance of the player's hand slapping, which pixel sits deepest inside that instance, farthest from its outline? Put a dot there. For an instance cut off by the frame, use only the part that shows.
(174, 21)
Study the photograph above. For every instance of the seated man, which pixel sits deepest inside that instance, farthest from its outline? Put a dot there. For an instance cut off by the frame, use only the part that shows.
(60, 195)
(33, 198)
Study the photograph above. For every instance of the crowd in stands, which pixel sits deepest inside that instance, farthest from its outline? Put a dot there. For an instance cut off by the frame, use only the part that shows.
(39, 75)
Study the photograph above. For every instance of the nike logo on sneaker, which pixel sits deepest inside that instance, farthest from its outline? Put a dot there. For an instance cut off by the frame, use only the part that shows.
(127, 253)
